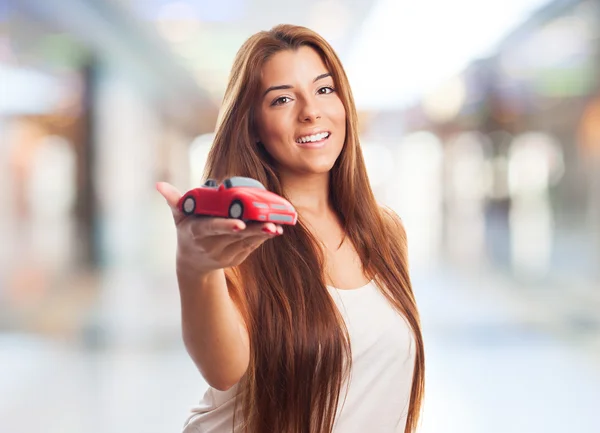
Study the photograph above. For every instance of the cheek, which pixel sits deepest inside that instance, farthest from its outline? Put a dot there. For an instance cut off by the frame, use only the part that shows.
(339, 116)
(335, 109)
(276, 133)
(271, 125)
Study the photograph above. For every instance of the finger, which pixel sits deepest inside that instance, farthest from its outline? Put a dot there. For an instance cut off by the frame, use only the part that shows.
(268, 228)
(169, 192)
(224, 244)
(212, 226)
(171, 195)
(203, 228)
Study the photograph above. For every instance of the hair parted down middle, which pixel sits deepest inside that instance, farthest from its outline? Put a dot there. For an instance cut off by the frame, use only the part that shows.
(300, 352)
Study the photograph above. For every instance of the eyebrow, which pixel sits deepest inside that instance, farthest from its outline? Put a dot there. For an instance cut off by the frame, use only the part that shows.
(288, 86)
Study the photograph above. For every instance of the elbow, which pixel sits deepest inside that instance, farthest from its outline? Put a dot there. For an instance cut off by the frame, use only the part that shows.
(222, 386)
(223, 383)
(223, 376)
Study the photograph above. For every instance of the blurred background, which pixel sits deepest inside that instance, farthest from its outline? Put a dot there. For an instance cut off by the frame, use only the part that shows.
(480, 125)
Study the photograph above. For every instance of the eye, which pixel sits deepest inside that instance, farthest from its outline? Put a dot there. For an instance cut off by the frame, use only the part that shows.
(325, 90)
(281, 101)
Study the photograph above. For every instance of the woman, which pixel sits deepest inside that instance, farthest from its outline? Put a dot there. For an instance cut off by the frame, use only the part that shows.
(312, 329)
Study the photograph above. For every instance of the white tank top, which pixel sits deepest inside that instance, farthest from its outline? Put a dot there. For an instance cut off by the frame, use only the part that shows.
(378, 390)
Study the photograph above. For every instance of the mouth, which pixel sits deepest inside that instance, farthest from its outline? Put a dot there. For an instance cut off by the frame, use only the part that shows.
(313, 141)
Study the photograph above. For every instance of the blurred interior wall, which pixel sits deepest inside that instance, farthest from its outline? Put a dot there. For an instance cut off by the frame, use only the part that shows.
(92, 114)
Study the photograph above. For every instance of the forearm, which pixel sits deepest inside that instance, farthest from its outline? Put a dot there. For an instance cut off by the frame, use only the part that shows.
(213, 332)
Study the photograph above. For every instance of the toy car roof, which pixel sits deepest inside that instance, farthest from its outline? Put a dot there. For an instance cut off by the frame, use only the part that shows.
(235, 182)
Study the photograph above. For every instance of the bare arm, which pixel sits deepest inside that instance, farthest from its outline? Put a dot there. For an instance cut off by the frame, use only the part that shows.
(214, 332)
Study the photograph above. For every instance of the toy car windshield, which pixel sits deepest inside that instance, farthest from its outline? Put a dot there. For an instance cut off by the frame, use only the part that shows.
(237, 181)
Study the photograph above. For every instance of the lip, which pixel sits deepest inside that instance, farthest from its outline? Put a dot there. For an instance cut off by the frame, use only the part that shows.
(312, 132)
(314, 144)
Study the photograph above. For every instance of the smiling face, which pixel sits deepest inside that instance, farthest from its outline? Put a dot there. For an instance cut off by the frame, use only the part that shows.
(300, 118)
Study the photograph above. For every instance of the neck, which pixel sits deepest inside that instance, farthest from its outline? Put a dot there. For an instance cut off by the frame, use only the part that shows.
(308, 193)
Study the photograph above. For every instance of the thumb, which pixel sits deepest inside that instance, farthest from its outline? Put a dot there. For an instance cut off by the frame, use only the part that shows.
(171, 195)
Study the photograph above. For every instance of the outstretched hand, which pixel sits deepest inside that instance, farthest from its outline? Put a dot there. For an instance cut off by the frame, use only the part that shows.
(209, 243)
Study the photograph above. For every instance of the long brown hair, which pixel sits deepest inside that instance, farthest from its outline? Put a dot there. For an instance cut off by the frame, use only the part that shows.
(300, 353)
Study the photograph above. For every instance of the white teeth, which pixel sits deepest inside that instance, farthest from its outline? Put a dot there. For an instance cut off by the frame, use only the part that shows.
(313, 138)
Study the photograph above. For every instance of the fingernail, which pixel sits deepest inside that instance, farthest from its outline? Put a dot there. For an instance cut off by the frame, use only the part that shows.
(268, 230)
(236, 228)
(280, 230)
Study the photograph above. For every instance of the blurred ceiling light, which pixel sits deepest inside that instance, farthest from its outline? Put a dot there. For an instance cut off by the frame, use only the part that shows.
(27, 91)
(535, 162)
(470, 178)
(445, 102)
(413, 46)
(331, 19)
(417, 191)
(51, 190)
(419, 156)
(177, 21)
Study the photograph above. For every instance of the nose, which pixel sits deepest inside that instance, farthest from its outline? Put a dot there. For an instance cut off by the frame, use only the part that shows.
(309, 111)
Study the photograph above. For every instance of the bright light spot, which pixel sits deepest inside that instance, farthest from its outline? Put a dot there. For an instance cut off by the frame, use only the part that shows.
(535, 162)
(467, 182)
(446, 101)
(468, 176)
(52, 188)
(416, 194)
(404, 49)
(27, 91)
(379, 161)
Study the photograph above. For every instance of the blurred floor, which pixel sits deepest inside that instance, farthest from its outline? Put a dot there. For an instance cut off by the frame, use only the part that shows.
(496, 362)
(499, 362)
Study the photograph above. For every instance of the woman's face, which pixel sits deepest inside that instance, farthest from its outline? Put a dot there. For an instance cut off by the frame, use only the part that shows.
(300, 118)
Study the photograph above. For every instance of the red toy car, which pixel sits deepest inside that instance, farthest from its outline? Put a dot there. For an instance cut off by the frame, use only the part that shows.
(238, 197)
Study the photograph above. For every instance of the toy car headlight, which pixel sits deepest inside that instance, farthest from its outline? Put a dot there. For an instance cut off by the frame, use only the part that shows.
(258, 204)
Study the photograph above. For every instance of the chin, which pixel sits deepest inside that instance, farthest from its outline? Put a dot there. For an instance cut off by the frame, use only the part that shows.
(316, 165)
(319, 168)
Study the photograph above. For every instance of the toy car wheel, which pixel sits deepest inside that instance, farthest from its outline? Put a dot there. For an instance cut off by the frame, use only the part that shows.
(236, 209)
(189, 205)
